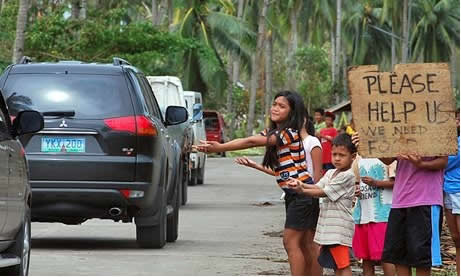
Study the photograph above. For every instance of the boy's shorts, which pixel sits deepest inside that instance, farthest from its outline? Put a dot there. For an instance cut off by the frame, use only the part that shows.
(451, 202)
(368, 240)
(413, 237)
(302, 211)
(334, 256)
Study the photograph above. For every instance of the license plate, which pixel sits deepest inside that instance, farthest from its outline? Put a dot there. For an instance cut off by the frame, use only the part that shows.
(56, 144)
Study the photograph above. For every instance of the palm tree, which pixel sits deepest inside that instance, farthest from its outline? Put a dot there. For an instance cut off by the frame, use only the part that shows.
(255, 59)
(206, 22)
(338, 42)
(436, 32)
(405, 31)
(391, 16)
(18, 49)
(367, 41)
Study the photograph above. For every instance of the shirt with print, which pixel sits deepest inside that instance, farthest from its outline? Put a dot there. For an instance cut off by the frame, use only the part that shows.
(417, 187)
(335, 224)
(292, 161)
(374, 203)
(327, 144)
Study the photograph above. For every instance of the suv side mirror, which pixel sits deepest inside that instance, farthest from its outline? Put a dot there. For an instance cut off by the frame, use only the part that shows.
(176, 115)
(198, 112)
(27, 122)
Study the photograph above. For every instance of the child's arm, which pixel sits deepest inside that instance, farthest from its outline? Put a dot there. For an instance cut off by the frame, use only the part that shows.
(236, 144)
(436, 164)
(378, 183)
(300, 187)
(316, 154)
(249, 163)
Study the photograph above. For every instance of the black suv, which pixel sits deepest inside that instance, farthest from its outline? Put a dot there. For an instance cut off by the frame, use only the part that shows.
(104, 152)
(15, 193)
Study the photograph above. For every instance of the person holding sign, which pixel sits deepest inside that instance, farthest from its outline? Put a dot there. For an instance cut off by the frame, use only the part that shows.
(285, 156)
(413, 235)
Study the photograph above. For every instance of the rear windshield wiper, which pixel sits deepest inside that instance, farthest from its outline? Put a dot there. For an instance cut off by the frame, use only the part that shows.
(59, 113)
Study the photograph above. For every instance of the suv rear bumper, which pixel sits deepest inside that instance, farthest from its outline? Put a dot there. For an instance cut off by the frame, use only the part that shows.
(59, 200)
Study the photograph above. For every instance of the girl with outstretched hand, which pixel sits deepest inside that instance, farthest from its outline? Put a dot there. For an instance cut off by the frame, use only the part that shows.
(286, 159)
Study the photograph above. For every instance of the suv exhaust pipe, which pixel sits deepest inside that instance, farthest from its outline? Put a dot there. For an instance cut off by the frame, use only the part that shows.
(115, 211)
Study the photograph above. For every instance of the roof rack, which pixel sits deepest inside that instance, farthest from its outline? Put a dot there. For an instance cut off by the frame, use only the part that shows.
(119, 61)
(25, 60)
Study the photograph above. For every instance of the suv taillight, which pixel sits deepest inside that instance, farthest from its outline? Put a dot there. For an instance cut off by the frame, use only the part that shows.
(139, 125)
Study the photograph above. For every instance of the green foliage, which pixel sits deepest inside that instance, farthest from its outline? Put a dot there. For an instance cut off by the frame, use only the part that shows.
(155, 52)
(105, 35)
(313, 71)
(7, 32)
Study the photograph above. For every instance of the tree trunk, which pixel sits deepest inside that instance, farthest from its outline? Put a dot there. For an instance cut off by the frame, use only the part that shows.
(18, 49)
(170, 15)
(333, 56)
(235, 64)
(83, 9)
(154, 11)
(162, 12)
(268, 64)
(2, 5)
(344, 65)
(293, 45)
(235, 70)
(75, 9)
(338, 40)
(405, 31)
(393, 45)
(254, 65)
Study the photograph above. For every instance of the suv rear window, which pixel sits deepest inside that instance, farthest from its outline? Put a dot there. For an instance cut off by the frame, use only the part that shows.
(90, 96)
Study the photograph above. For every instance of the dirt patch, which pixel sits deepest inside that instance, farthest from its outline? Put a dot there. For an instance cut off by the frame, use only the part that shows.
(274, 234)
(279, 272)
(263, 204)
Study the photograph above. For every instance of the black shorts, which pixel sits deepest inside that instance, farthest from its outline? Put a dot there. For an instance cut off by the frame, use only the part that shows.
(413, 237)
(302, 211)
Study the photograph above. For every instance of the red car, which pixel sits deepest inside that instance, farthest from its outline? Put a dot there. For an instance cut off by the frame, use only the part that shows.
(214, 127)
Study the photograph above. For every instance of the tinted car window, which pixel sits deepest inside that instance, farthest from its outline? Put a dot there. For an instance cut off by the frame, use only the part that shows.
(90, 96)
(150, 95)
(211, 123)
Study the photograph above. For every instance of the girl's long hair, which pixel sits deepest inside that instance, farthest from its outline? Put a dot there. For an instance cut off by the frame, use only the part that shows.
(309, 123)
(295, 120)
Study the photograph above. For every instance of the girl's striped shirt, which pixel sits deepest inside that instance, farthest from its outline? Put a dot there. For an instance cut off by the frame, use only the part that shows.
(291, 156)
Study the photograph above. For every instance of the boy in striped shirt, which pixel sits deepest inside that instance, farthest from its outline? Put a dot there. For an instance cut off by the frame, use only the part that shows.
(335, 227)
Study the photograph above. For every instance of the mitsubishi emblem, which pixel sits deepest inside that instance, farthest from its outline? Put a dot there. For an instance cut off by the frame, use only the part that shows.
(63, 124)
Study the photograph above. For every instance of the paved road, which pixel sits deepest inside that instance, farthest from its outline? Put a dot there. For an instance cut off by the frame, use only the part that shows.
(224, 230)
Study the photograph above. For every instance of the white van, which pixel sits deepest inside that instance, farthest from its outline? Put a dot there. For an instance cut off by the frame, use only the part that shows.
(195, 109)
(169, 92)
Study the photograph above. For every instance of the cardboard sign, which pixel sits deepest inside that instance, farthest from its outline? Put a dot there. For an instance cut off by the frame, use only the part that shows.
(408, 110)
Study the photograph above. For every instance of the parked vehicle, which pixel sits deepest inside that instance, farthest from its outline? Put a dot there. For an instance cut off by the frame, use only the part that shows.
(105, 151)
(195, 109)
(214, 127)
(168, 91)
(15, 192)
